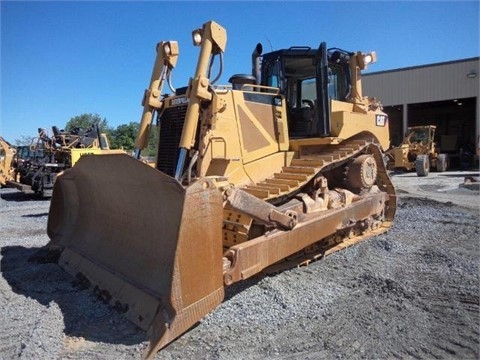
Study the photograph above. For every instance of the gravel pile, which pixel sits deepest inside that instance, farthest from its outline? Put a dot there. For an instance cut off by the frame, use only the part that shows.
(410, 293)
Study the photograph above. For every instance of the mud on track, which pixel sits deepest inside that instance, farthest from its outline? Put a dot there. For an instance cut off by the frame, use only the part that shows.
(410, 293)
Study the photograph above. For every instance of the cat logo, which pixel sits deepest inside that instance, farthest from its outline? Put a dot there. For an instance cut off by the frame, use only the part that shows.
(179, 101)
(381, 120)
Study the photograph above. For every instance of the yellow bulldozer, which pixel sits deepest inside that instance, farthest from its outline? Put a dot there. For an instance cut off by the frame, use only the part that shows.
(278, 168)
(7, 154)
(36, 167)
(418, 152)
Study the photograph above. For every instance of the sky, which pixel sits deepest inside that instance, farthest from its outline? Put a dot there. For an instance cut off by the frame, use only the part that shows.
(61, 59)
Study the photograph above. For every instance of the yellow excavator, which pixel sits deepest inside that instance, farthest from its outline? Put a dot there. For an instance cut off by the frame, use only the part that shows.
(7, 154)
(281, 167)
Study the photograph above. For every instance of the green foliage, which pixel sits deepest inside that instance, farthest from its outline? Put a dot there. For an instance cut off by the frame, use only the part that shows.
(152, 146)
(123, 137)
(85, 121)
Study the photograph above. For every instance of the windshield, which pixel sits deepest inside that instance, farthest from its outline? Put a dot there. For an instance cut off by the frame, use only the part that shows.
(297, 76)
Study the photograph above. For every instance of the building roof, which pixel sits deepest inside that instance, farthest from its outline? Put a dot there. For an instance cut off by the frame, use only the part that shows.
(422, 66)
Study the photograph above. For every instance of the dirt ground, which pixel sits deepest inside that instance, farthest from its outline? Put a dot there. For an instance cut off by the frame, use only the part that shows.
(411, 293)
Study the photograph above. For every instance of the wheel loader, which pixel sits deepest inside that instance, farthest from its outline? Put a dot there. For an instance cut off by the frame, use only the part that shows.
(7, 153)
(37, 166)
(418, 152)
(280, 167)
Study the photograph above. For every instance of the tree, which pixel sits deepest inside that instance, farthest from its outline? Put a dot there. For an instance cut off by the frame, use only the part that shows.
(151, 149)
(123, 137)
(85, 121)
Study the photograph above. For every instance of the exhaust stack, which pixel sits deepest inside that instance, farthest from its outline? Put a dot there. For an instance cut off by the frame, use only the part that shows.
(256, 66)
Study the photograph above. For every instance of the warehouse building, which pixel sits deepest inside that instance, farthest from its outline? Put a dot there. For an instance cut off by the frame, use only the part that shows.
(442, 94)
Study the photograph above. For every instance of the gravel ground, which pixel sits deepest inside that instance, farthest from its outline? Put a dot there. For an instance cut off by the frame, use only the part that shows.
(410, 293)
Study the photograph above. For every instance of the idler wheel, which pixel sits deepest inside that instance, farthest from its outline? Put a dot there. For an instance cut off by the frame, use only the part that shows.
(362, 172)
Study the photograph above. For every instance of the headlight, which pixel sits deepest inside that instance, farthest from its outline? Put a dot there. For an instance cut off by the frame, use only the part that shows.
(369, 58)
(364, 59)
(197, 37)
(167, 49)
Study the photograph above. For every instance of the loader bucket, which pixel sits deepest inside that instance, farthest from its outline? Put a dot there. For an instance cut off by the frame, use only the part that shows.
(147, 245)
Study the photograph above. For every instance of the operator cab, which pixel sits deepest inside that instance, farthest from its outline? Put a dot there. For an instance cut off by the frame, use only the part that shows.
(308, 79)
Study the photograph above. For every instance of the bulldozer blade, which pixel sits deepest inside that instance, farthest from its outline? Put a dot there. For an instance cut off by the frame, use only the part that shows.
(143, 242)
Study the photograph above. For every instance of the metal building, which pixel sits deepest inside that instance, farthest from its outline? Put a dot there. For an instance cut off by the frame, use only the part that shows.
(442, 94)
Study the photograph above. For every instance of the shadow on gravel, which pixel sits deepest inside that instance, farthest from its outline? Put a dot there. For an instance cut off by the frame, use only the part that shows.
(404, 174)
(450, 175)
(83, 314)
(21, 197)
(460, 175)
(236, 288)
(35, 215)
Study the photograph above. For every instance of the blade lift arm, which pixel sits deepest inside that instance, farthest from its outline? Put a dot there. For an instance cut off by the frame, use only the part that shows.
(165, 61)
(212, 38)
(359, 62)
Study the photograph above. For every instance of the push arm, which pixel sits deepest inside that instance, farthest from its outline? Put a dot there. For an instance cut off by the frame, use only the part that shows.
(165, 61)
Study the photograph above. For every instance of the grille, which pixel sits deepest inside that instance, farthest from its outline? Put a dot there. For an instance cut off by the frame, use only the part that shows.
(171, 125)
